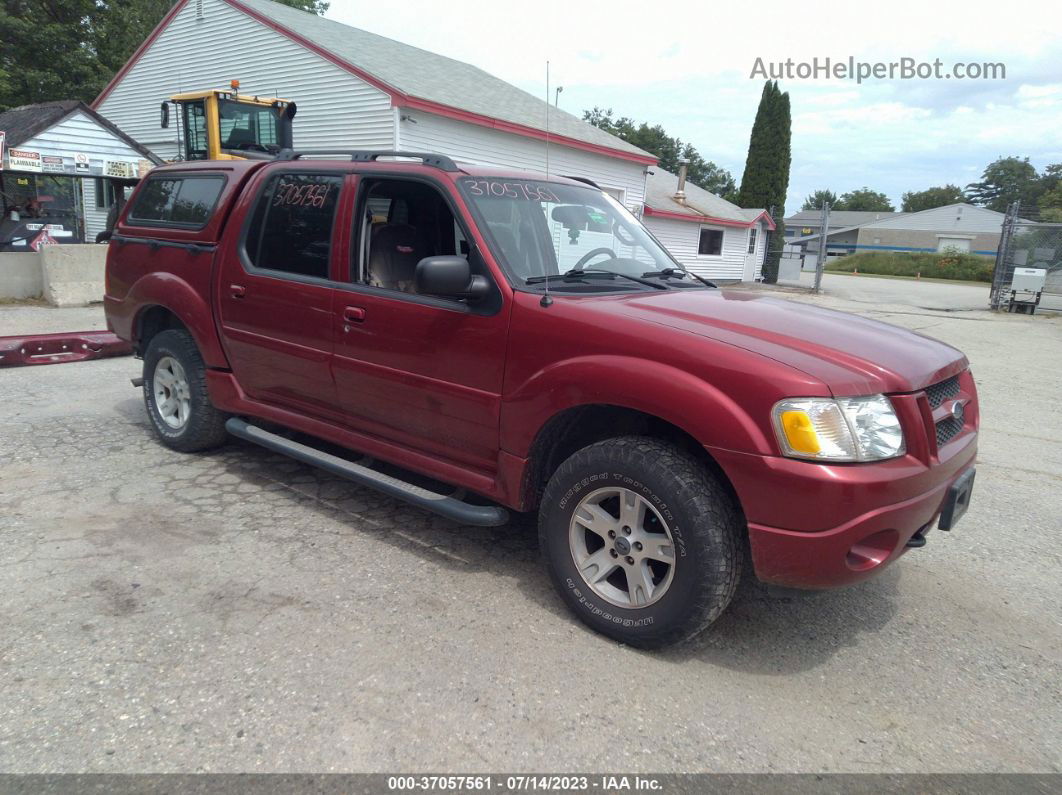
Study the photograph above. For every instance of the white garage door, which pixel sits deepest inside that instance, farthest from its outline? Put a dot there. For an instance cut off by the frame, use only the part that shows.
(954, 243)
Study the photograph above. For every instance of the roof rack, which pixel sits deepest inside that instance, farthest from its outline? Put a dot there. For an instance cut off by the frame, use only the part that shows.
(367, 156)
(584, 180)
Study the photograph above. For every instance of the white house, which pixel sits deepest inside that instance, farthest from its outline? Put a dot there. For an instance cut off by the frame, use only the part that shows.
(707, 234)
(72, 155)
(357, 90)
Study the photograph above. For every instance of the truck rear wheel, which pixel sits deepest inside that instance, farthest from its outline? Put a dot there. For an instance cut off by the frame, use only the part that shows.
(175, 394)
(641, 540)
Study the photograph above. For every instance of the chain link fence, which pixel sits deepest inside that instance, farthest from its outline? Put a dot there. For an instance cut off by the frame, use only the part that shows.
(1029, 241)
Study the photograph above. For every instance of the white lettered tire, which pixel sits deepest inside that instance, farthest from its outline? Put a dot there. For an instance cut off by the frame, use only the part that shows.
(641, 540)
(175, 394)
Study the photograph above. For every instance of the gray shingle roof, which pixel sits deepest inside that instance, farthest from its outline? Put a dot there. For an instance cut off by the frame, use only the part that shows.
(838, 218)
(436, 78)
(660, 188)
(28, 121)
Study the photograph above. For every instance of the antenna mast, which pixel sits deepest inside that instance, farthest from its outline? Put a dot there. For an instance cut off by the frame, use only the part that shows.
(547, 300)
(547, 119)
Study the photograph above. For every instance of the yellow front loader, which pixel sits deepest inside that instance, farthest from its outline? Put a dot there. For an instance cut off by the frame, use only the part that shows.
(220, 124)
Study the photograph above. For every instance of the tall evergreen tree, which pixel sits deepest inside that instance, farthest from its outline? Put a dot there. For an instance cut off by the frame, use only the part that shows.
(766, 177)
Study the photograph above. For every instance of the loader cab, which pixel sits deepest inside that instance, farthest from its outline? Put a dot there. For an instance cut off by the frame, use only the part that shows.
(227, 125)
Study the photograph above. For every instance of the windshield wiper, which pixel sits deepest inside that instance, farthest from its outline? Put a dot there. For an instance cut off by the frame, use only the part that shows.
(575, 273)
(678, 274)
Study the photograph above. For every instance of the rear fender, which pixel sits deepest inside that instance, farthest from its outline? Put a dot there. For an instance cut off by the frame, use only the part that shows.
(660, 390)
(184, 301)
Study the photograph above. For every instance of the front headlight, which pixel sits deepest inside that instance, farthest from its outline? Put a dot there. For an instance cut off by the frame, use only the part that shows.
(845, 429)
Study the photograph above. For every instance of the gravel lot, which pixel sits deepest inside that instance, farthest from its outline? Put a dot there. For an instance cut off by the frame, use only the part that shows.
(240, 612)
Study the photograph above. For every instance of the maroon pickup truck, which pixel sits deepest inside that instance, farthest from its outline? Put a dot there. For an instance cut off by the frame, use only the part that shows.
(490, 340)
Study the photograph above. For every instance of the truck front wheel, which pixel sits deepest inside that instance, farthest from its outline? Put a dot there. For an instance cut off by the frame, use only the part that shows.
(641, 540)
(175, 394)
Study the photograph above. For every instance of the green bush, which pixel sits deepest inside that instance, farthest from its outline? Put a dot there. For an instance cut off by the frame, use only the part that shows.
(949, 265)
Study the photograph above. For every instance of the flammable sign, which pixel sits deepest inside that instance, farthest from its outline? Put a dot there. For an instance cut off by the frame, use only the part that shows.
(42, 240)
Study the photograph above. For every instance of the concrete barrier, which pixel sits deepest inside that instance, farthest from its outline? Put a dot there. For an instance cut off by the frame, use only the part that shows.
(20, 275)
(73, 275)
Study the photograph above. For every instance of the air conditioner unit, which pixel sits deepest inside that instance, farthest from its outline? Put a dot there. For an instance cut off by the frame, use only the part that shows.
(1026, 288)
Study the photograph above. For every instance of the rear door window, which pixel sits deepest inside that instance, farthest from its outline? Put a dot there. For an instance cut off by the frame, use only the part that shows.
(179, 200)
(291, 228)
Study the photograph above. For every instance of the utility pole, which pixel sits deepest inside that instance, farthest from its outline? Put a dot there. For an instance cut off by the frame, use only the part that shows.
(824, 227)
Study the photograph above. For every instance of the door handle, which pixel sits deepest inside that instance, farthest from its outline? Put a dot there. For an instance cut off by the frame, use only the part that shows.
(354, 314)
(237, 290)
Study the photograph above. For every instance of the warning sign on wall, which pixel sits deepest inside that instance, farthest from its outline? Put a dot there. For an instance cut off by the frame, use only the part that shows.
(118, 168)
(42, 240)
(23, 160)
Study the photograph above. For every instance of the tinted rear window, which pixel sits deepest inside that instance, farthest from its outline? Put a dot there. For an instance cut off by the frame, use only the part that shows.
(176, 201)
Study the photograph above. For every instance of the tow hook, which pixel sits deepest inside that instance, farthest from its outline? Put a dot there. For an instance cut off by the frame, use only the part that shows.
(917, 540)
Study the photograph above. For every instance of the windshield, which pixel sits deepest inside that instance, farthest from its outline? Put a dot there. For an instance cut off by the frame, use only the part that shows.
(246, 126)
(548, 228)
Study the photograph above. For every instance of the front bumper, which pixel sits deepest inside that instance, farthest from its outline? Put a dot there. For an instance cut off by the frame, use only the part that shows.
(821, 526)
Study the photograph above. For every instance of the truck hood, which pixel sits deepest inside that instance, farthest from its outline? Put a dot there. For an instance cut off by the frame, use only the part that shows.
(851, 355)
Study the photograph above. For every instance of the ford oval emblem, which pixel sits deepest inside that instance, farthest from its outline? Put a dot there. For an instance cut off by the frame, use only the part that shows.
(957, 411)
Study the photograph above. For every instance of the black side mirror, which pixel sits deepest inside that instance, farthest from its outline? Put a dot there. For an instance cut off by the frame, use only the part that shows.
(164, 118)
(449, 276)
(104, 236)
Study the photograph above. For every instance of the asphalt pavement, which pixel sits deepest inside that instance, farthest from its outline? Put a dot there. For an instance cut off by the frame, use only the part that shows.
(237, 611)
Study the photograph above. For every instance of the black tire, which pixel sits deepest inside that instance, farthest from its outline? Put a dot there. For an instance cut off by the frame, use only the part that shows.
(204, 427)
(704, 521)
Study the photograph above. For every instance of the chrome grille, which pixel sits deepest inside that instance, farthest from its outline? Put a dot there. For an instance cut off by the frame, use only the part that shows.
(947, 429)
(941, 391)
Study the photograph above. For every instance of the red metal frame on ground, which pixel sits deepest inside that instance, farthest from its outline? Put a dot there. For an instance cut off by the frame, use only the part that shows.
(66, 346)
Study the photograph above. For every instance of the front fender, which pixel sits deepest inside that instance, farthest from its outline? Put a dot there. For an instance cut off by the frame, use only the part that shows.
(187, 303)
(669, 393)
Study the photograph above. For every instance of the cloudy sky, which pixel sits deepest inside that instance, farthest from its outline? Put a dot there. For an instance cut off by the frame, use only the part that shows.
(686, 65)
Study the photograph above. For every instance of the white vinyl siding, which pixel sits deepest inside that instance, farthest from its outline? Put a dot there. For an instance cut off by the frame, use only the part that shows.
(681, 238)
(335, 107)
(95, 219)
(81, 133)
(484, 146)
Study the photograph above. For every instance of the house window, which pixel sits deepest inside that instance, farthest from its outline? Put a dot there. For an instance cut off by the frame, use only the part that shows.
(616, 193)
(752, 240)
(711, 243)
(104, 193)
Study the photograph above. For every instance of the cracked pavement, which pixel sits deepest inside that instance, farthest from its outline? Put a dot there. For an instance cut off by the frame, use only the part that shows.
(238, 611)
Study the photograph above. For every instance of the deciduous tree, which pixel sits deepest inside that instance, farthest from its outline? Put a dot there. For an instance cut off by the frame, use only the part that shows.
(865, 199)
(70, 49)
(916, 201)
(818, 198)
(1005, 181)
(655, 139)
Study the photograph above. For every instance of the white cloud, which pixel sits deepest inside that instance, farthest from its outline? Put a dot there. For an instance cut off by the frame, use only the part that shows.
(686, 66)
